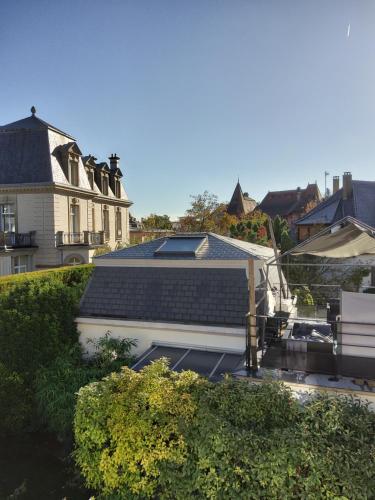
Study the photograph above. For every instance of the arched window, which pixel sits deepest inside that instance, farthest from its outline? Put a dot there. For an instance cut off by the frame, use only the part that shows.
(118, 223)
(74, 260)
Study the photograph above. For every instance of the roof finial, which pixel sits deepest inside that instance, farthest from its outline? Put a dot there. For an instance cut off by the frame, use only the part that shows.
(33, 110)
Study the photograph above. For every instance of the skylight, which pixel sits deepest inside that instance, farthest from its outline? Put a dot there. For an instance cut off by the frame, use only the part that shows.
(181, 246)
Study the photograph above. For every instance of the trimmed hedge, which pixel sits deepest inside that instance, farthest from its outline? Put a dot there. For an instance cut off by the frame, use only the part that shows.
(37, 312)
(69, 275)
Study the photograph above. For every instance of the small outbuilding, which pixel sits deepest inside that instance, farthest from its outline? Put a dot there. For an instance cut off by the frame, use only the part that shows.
(186, 292)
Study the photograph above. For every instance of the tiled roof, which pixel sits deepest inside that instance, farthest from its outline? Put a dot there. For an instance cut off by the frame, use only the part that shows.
(188, 295)
(215, 248)
(360, 205)
(283, 203)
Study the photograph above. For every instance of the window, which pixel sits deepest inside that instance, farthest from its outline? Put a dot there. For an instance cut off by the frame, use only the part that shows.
(90, 175)
(74, 177)
(74, 260)
(7, 218)
(74, 220)
(93, 219)
(20, 264)
(105, 185)
(118, 224)
(106, 222)
(117, 188)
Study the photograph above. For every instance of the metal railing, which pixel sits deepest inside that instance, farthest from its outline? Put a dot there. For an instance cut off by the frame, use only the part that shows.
(87, 238)
(17, 240)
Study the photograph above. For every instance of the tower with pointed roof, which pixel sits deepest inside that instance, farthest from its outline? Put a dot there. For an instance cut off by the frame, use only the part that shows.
(240, 204)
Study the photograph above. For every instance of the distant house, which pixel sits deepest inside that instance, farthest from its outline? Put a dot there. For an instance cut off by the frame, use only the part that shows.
(240, 204)
(56, 205)
(291, 204)
(185, 295)
(355, 199)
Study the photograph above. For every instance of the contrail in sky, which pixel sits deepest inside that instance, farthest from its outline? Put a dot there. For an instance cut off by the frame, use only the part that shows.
(348, 32)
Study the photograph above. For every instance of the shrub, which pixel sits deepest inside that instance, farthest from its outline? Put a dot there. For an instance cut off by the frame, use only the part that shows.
(69, 275)
(15, 404)
(36, 323)
(57, 385)
(159, 434)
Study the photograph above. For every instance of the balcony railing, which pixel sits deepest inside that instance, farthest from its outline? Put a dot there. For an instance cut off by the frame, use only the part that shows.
(17, 240)
(86, 238)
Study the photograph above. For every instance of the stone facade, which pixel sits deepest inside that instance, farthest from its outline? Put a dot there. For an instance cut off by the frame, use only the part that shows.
(65, 216)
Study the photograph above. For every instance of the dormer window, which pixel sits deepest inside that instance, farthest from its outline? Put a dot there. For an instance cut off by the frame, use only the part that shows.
(105, 185)
(117, 188)
(73, 171)
(90, 176)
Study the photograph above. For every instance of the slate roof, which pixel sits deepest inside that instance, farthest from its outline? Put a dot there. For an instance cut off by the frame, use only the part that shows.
(33, 123)
(284, 203)
(361, 205)
(216, 247)
(24, 157)
(188, 295)
(240, 204)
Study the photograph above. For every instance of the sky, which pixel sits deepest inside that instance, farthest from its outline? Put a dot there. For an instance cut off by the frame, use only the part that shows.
(195, 94)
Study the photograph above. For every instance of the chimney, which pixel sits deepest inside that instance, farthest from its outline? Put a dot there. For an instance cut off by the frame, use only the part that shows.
(347, 185)
(336, 184)
(114, 161)
(299, 193)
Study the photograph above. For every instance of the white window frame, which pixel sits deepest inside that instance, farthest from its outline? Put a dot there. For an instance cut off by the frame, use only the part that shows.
(18, 267)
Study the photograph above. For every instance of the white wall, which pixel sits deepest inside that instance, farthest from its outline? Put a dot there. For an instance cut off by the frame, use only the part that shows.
(147, 333)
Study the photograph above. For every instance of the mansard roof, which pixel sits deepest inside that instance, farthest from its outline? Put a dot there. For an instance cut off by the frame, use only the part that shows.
(32, 123)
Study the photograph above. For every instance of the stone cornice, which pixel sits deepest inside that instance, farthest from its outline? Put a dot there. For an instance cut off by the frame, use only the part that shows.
(67, 189)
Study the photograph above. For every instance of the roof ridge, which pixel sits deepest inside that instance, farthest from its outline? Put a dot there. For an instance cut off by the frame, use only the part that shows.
(321, 205)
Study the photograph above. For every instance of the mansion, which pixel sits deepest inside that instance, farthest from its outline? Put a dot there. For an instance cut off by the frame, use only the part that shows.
(57, 206)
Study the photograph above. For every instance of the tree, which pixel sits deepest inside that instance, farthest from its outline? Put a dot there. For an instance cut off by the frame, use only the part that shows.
(207, 214)
(154, 221)
(252, 228)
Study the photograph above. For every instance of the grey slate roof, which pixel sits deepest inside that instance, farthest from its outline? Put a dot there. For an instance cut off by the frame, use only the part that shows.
(24, 157)
(32, 123)
(188, 295)
(215, 248)
(361, 205)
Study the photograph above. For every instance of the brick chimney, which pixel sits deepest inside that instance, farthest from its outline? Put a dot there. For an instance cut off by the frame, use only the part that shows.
(347, 186)
(336, 184)
(299, 192)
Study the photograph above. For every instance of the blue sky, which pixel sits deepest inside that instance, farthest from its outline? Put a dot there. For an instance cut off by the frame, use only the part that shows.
(192, 94)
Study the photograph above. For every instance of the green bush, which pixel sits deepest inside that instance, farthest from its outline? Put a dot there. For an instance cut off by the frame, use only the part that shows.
(69, 275)
(15, 402)
(36, 323)
(159, 434)
(57, 385)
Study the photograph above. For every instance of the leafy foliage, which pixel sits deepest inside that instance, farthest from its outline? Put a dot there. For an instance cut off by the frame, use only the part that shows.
(37, 314)
(207, 214)
(160, 434)
(36, 322)
(15, 403)
(253, 229)
(154, 221)
(57, 385)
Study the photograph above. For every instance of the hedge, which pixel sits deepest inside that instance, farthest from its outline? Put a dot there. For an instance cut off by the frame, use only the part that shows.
(37, 312)
(68, 275)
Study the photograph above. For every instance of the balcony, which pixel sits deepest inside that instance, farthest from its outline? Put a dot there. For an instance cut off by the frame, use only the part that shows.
(9, 240)
(86, 238)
